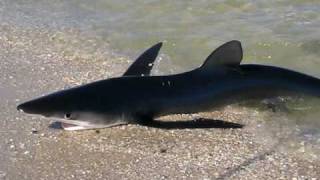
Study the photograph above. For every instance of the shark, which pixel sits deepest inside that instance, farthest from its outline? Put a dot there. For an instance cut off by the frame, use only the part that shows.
(138, 97)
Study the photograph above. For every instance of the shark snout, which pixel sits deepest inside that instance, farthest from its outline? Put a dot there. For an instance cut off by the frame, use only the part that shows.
(19, 108)
(31, 107)
(24, 107)
(44, 106)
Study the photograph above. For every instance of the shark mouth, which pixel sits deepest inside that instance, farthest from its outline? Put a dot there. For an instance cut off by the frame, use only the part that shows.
(72, 125)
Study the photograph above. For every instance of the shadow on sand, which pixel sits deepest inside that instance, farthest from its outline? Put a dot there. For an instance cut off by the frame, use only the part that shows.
(200, 123)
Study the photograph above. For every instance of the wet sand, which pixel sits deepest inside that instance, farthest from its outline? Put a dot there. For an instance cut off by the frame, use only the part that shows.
(37, 61)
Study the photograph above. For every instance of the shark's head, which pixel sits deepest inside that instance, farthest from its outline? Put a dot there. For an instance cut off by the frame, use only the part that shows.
(74, 108)
(53, 105)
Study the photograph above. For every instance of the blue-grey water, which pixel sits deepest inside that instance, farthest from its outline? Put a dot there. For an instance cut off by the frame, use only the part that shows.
(282, 33)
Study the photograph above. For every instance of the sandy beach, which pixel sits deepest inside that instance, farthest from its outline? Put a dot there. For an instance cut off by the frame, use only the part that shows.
(37, 61)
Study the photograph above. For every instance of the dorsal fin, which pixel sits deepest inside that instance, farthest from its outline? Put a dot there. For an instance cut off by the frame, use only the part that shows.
(228, 54)
(144, 63)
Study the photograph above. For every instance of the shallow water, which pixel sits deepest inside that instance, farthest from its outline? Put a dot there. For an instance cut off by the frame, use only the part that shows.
(282, 33)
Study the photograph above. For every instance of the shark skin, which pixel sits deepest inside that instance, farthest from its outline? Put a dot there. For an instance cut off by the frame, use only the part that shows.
(220, 81)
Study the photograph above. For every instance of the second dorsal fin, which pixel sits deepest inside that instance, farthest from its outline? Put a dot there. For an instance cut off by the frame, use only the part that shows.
(144, 63)
(228, 54)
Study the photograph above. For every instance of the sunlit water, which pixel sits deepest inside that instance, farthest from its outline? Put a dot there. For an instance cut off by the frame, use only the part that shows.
(282, 33)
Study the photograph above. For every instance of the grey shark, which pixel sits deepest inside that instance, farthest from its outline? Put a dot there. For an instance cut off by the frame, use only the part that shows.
(133, 98)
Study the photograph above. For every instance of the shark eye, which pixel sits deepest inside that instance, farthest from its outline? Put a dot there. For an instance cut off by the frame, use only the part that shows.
(67, 116)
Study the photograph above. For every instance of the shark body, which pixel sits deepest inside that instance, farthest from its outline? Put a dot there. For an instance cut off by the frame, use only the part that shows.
(133, 98)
